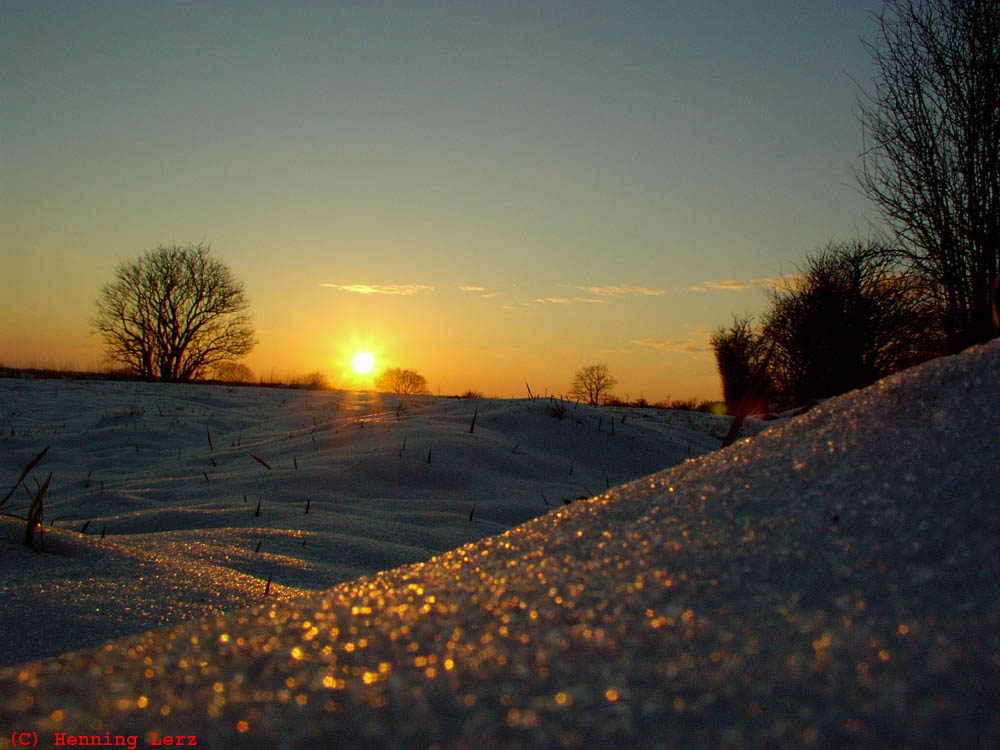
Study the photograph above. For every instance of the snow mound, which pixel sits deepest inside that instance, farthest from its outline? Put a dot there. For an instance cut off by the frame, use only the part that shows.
(831, 582)
(170, 502)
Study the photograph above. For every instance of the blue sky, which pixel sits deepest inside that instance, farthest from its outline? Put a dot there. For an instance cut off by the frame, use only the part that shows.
(520, 188)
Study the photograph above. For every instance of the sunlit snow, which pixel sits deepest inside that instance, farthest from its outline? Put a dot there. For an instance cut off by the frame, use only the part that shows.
(831, 582)
(201, 492)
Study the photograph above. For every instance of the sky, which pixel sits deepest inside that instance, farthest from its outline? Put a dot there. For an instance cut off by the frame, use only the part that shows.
(488, 193)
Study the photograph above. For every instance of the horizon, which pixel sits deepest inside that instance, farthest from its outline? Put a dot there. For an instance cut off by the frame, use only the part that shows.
(484, 195)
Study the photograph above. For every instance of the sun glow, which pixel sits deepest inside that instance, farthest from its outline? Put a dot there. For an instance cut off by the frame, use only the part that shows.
(363, 363)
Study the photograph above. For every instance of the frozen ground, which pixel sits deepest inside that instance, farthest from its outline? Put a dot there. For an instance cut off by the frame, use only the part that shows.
(832, 582)
(167, 473)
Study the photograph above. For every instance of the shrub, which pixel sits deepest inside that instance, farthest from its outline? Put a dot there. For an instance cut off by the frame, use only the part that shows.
(234, 372)
(402, 382)
(849, 318)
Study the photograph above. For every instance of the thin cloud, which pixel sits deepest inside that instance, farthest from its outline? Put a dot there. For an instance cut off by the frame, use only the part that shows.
(400, 289)
(732, 285)
(479, 291)
(617, 290)
(686, 346)
(568, 300)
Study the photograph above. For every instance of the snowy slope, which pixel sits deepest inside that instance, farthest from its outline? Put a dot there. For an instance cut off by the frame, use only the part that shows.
(167, 474)
(833, 582)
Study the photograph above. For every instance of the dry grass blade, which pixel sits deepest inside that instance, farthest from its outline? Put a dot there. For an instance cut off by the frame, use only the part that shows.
(28, 468)
(35, 513)
(261, 461)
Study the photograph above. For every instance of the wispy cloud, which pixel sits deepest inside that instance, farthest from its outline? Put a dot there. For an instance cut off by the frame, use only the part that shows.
(616, 290)
(686, 346)
(732, 285)
(479, 291)
(568, 300)
(401, 289)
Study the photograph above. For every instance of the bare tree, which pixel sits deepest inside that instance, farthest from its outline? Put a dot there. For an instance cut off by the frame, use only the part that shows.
(591, 383)
(401, 382)
(313, 381)
(740, 353)
(174, 314)
(849, 318)
(931, 154)
(234, 372)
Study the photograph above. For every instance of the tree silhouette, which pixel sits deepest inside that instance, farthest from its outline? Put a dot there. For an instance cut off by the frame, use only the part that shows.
(174, 314)
(234, 372)
(740, 354)
(401, 382)
(591, 383)
(849, 318)
(931, 154)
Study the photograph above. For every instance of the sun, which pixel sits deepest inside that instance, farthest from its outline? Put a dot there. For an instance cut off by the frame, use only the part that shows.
(363, 363)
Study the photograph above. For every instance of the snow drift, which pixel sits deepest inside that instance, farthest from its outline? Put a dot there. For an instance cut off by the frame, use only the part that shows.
(831, 582)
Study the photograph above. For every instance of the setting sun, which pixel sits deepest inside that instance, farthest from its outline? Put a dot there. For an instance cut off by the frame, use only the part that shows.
(364, 363)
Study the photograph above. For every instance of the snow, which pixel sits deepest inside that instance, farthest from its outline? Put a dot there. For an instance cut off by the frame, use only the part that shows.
(831, 582)
(167, 473)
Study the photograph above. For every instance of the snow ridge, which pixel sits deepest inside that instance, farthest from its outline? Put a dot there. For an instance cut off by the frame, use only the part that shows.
(833, 582)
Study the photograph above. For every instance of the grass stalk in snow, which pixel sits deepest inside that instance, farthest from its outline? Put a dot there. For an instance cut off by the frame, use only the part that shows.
(35, 513)
(257, 512)
(261, 461)
(472, 427)
(31, 465)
